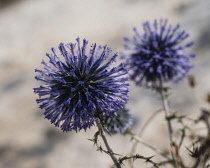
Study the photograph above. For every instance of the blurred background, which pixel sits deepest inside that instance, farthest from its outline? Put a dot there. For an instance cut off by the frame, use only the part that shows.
(29, 28)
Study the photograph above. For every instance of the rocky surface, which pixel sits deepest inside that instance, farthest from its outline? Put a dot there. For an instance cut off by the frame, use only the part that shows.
(28, 29)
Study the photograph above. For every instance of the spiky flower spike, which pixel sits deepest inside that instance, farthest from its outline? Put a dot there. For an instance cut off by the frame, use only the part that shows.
(158, 54)
(119, 122)
(81, 87)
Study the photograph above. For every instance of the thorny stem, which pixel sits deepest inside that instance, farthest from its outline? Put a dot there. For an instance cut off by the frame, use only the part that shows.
(114, 159)
(167, 115)
(166, 109)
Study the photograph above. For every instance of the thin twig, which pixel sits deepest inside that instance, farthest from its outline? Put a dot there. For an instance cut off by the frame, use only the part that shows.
(134, 146)
(117, 164)
(140, 134)
(138, 139)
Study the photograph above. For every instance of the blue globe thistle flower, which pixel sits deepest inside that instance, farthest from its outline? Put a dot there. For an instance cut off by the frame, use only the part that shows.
(80, 86)
(158, 54)
(119, 122)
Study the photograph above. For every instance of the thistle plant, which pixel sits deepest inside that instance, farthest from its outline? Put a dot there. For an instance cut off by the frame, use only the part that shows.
(157, 54)
(82, 89)
(157, 57)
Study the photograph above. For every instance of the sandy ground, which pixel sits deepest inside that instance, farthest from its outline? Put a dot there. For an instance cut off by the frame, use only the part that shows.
(29, 28)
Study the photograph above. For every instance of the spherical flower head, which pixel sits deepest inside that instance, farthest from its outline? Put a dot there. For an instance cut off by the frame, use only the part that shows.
(80, 86)
(119, 122)
(157, 54)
